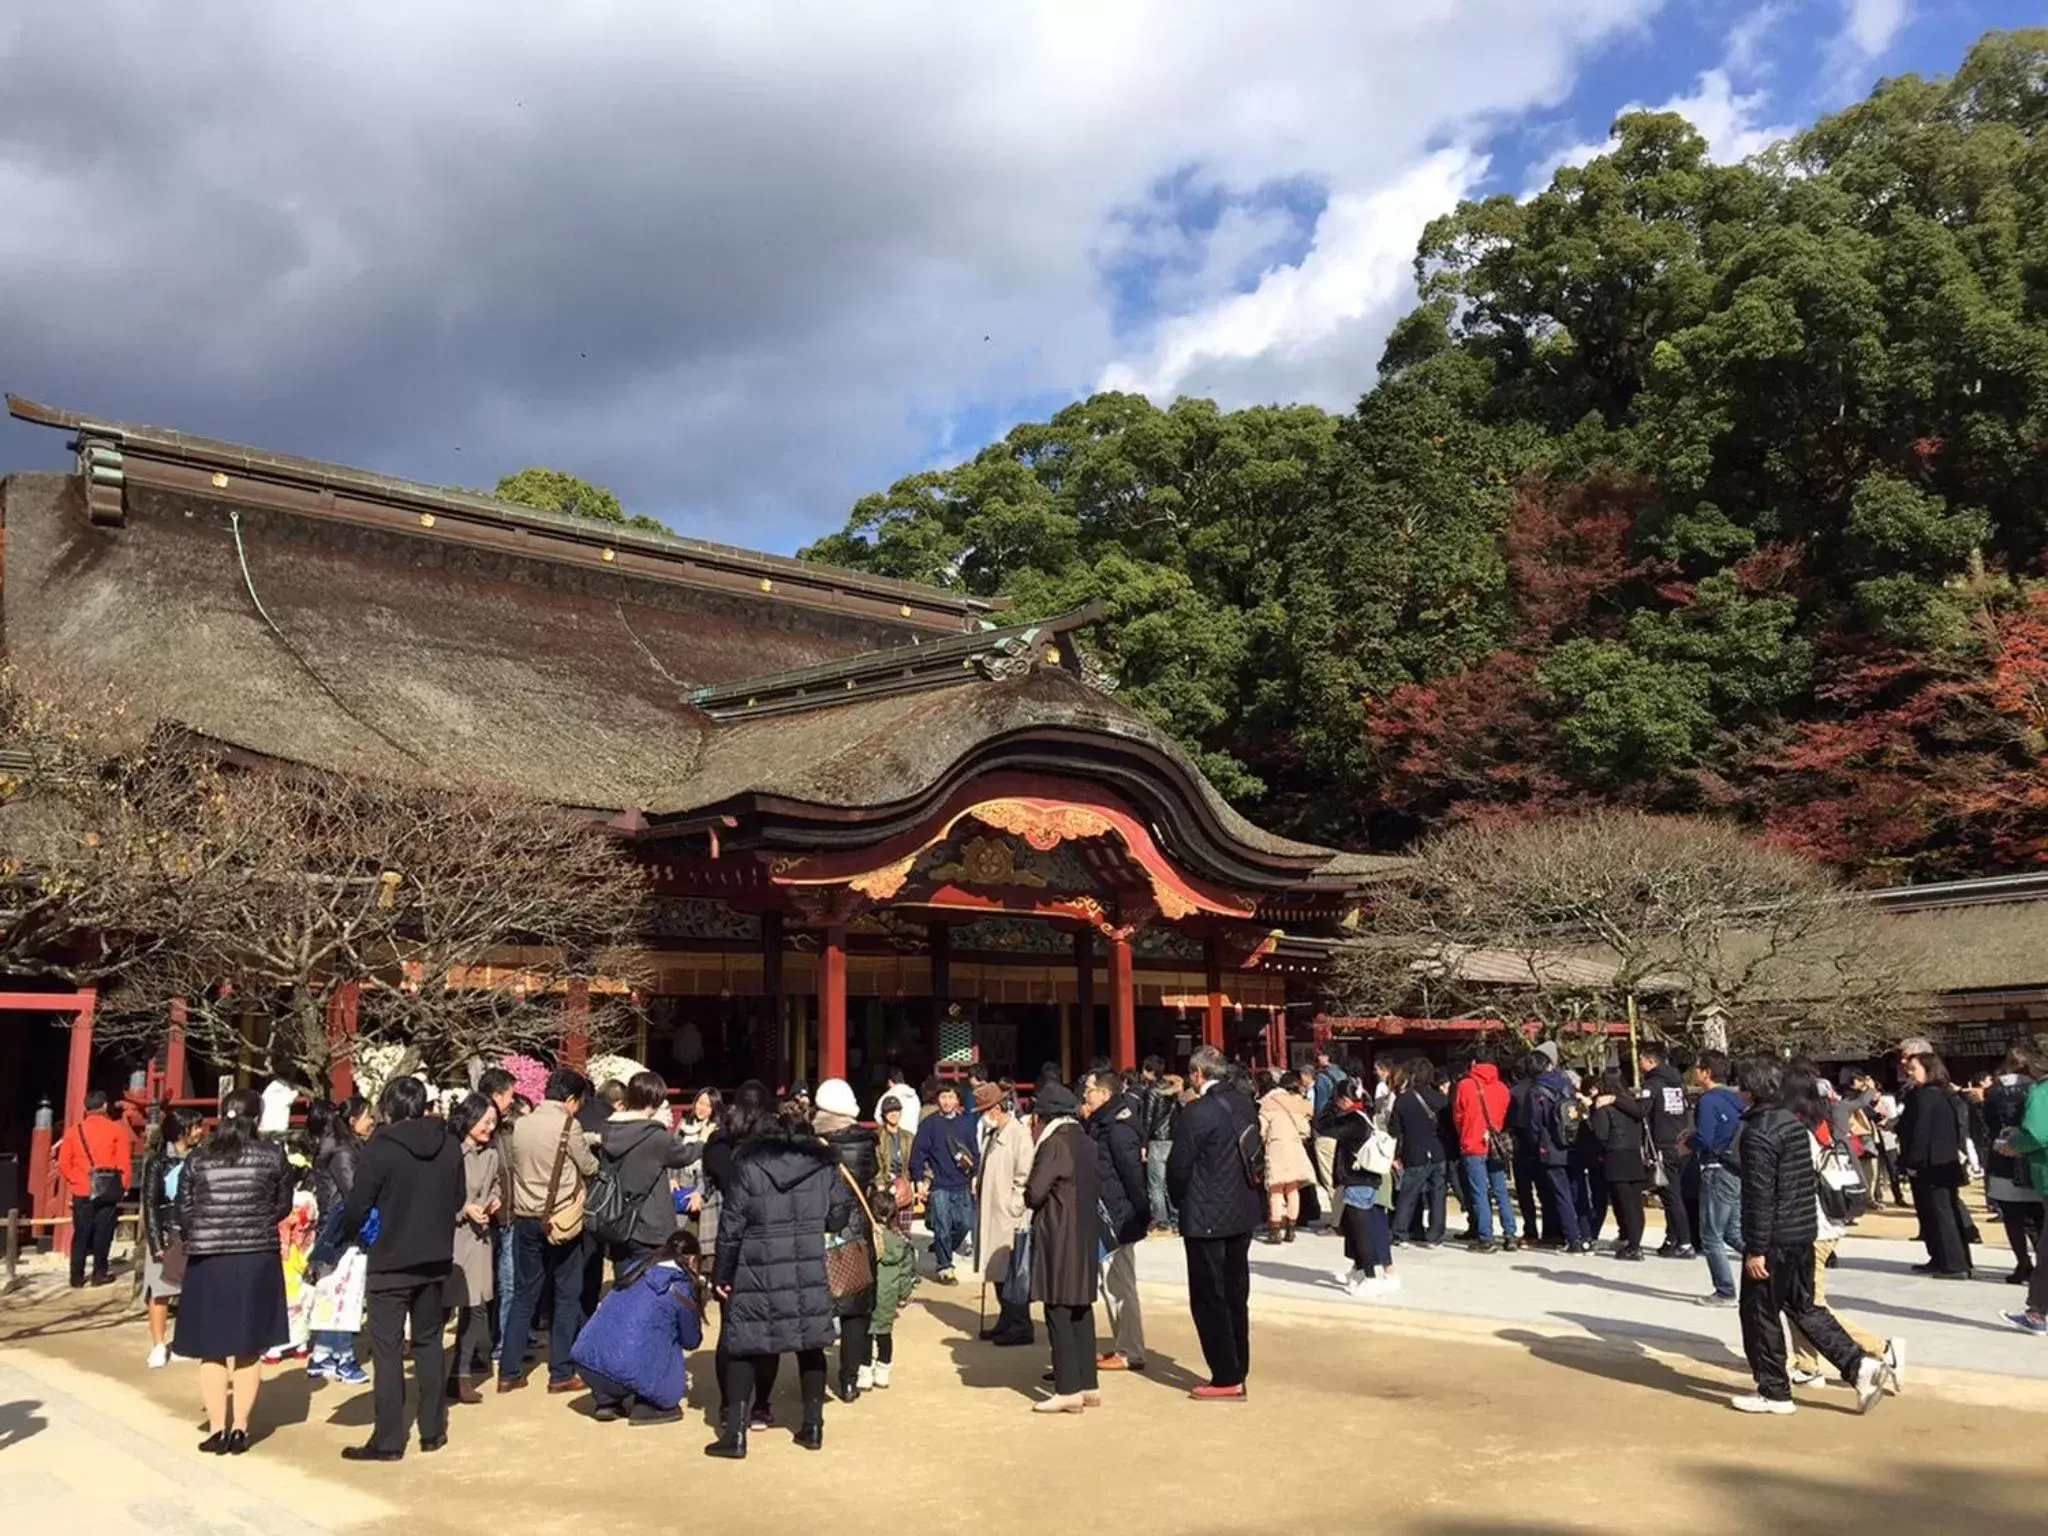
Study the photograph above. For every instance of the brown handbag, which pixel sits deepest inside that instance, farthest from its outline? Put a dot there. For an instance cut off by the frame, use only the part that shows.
(850, 1263)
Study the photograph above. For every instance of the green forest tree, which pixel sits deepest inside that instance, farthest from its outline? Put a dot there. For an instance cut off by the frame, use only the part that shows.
(554, 490)
(1689, 487)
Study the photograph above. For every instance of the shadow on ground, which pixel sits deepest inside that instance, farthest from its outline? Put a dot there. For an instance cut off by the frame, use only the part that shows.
(19, 1421)
(1745, 1496)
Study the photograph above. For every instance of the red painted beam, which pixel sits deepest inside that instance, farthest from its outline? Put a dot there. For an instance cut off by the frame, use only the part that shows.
(78, 1075)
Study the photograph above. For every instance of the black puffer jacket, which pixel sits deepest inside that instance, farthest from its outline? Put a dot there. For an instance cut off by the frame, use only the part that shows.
(639, 1152)
(1663, 1100)
(783, 1197)
(234, 1207)
(411, 1173)
(1117, 1129)
(1205, 1174)
(1780, 1209)
(334, 1170)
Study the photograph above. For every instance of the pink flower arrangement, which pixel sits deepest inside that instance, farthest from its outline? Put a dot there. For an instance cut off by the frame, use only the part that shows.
(529, 1077)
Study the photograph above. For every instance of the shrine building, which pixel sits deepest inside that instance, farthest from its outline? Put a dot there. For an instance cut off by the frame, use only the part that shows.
(888, 823)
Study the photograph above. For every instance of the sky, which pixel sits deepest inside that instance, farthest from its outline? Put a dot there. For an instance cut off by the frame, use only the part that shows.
(744, 263)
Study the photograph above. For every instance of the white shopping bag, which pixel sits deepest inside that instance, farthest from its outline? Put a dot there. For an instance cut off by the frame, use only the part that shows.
(338, 1297)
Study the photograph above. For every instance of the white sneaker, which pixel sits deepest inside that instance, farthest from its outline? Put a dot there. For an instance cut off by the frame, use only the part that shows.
(1751, 1403)
(1348, 1277)
(159, 1356)
(1870, 1377)
(1807, 1378)
(1895, 1366)
(864, 1378)
(881, 1376)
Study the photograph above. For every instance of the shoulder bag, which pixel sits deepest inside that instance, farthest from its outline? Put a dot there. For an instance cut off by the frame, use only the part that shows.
(850, 1261)
(1500, 1146)
(105, 1182)
(564, 1222)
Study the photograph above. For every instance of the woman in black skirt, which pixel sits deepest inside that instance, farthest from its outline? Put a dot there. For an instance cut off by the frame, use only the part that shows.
(235, 1190)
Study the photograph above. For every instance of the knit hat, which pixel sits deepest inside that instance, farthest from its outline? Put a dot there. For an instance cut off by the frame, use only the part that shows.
(836, 1095)
(1549, 1048)
(1054, 1100)
(988, 1096)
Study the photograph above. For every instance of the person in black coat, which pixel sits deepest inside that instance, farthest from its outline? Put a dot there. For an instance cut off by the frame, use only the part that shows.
(1115, 1122)
(410, 1172)
(784, 1195)
(1780, 1223)
(857, 1149)
(1416, 1123)
(1065, 1197)
(1661, 1105)
(1214, 1176)
(1932, 1129)
(1619, 1137)
(1361, 1196)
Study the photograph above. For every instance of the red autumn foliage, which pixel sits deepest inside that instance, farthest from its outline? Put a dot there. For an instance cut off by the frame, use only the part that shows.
(1925, 769)
(1568, 549)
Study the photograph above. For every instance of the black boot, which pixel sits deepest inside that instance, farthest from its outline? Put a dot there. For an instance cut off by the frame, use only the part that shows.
(1272, 1233)
(811, 1433)
(731, 1444)
(1288, 1235)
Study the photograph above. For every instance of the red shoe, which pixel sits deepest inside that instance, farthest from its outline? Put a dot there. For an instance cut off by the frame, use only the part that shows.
(1215, 1394)
(1111, 1362)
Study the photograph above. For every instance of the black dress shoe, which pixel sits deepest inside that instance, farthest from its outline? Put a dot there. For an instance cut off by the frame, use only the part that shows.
(369, 1453)
(215, 1444)
(849, 1392)
(645, 1414)
(238, 1442)
(2021, 1275)
(811, 1434)
(432, 1443)
(1017, 1340)
(605, 1413)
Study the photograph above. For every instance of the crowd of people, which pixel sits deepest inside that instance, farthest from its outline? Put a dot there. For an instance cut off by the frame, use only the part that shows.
(618, 1222)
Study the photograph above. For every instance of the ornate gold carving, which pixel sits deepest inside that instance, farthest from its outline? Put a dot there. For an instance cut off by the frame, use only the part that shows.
(987, 861)
(1043, 827)
(883, 883)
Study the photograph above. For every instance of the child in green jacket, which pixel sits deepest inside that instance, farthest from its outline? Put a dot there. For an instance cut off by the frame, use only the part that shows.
(895, 1276)
(2028, 1141)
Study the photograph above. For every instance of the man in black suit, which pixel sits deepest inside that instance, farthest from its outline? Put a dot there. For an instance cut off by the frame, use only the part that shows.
(1213, 1176)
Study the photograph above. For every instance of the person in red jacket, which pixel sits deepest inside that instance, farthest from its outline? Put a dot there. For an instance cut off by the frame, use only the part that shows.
(97, 1160)
(1480, 1111)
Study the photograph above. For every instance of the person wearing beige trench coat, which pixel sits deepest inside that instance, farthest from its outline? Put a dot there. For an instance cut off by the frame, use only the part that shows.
(1005, 1170)
(1286, 1122)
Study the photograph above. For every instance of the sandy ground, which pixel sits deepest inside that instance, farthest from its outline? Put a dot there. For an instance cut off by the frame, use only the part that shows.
(1354, 1424)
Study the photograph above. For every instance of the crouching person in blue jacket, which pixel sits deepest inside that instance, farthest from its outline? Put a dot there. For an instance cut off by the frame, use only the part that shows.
(631, 1352)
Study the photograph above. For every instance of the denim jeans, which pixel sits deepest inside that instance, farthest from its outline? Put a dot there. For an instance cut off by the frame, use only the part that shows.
(1489, 1186)
(534, 1258)
(1560, 1215)
(1721, 1224)
(1156, 1154)
(330, 1341)
(1419, 1207)
(501, 1241)
(951, 1217)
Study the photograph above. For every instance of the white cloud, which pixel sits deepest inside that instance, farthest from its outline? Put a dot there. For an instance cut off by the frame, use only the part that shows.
(732, 260)
(1732, 123)
(1871, 25)
(1303, 330)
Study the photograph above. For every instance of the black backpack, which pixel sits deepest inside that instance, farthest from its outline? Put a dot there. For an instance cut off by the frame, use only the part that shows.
(610, 1212)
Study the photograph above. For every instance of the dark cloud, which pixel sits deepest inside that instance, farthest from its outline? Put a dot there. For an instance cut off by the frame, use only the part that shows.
(733, 262)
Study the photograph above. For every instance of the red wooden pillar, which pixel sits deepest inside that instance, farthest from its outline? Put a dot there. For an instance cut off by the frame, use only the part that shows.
(174, 1052)
(78, 1074)
(832, 1004)
(1212, 1014)
(576, 1025)
(341, 1041)
(1123, 1008)
(1084, 999)
(1276, 1031)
